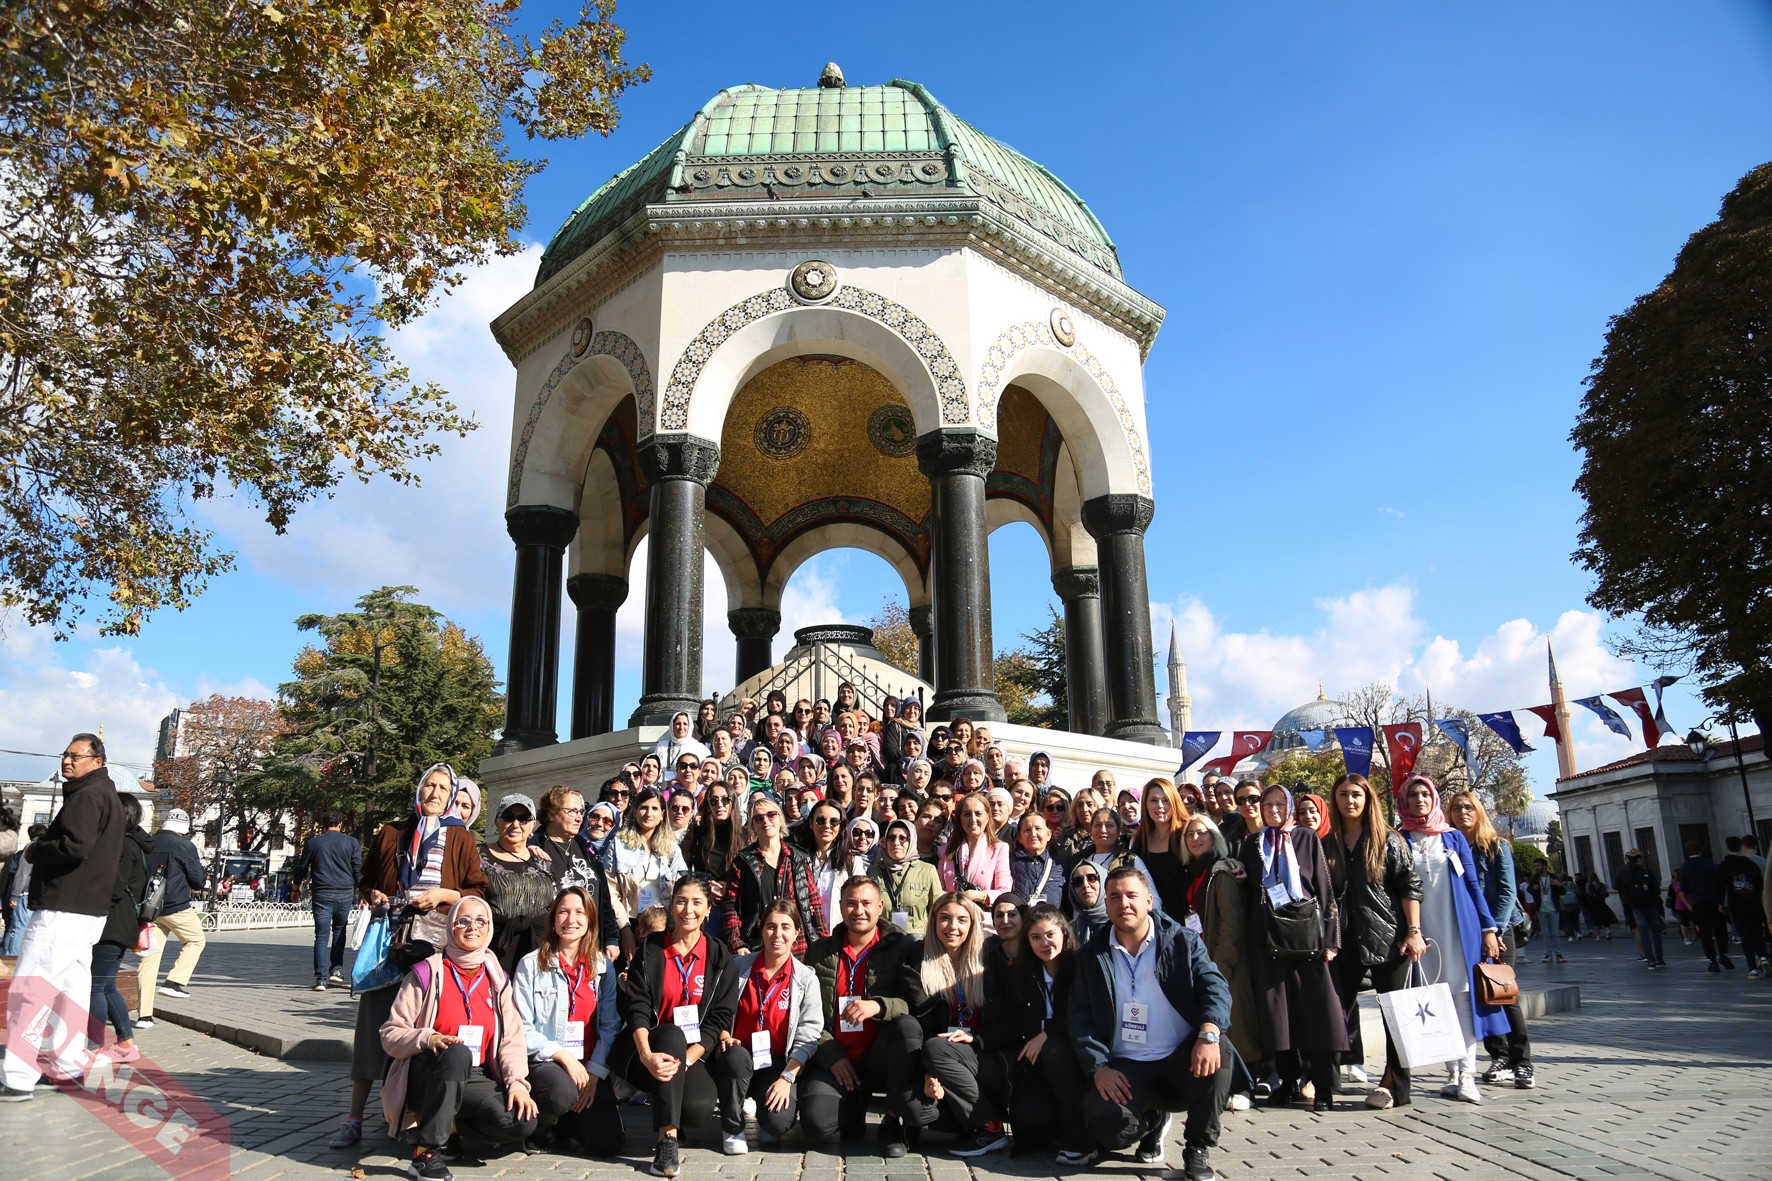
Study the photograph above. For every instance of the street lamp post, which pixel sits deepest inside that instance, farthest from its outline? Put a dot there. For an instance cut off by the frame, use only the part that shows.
(1700, 743)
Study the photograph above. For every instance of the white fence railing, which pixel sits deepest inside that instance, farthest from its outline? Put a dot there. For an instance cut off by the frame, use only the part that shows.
(256, 916)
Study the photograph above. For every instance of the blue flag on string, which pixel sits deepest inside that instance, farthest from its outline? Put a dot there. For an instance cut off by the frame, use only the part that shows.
(1661, 722)
(1194, 745)
(1613, 719)
(1313, 739)
(1356, 748)
(1459, 731)
(1503, 724)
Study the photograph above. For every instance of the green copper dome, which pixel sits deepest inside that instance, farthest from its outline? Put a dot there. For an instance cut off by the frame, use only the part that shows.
(835, 142)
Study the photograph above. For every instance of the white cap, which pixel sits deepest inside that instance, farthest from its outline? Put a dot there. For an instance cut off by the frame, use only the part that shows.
(177, 820)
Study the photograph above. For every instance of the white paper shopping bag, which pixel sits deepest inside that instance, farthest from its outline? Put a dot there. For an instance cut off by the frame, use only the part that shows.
(1422, 1023)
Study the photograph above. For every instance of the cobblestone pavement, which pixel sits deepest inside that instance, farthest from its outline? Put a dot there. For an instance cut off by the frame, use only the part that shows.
(1659, 1075)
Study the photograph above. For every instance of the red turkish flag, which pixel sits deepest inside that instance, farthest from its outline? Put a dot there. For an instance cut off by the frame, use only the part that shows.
(1403, 741)
(1548, 715)
(1635, 699)
(1243, 744)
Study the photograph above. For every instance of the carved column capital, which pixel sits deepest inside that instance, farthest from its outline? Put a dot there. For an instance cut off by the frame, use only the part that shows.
(1077, 582)
(1118, 513)
(591, 591)
(956, 452)
(679, 457)
(753, 623)
(541, 524)
(922, 620)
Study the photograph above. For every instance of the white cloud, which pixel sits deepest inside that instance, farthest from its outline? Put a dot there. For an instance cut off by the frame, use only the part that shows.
(442, 536)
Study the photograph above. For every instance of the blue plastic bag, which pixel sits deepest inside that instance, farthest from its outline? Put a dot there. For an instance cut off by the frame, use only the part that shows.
(372, 969)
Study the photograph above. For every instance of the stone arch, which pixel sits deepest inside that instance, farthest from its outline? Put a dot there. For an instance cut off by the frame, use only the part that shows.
(863, 325)
(600, 547)
(744, 586)
(1082, 397)
(1003, 510)
(569, 410)
(1072, 543)
(844, 535)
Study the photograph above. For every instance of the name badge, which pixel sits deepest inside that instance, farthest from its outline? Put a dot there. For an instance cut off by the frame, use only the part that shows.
(688, 1019)
(762, 1053)
(844, 1024)
(472, 1036)
(574, 1041)
(1277, 895)
(1194, 924)
(901, 919)
(647, 899)
(1135, 1023)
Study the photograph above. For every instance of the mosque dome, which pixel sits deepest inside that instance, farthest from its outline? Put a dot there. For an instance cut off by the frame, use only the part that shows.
(1535, 821)
(1320, 714)
(839, 143)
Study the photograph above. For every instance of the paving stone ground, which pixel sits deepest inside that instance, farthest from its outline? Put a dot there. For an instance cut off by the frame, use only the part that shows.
(1659, 1075)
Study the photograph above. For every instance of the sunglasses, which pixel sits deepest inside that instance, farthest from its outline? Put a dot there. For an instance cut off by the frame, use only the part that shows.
(1248, 800)
(1053, 807)
(513, 818)
(621, 794)
(721, 799)
(1083, 879)
(685, 809)
(476, 923)
(825, 821)
(762, 817)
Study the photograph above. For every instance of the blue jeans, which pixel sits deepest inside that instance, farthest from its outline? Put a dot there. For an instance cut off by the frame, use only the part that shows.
(107, 1002)
(1649, 928)
(15, 926)
(332, 920)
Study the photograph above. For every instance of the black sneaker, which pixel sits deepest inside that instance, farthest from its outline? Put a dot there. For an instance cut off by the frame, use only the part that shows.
(428, 1166)
(1523, 1077)
(319, 986)
(143, 1023)
(892, 1141)
(1150, 1145)
(1713, 967)
(175, 990)
(337, 977)
(1727, 962)
(985, 1140)
(10, 1095)
(1197, 1165)
(1497, 1068)
(666, 1160)
(1087, 1158)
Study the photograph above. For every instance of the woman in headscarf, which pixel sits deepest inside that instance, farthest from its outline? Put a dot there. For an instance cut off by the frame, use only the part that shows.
(892, 734)
(1454, 918)
(918, 775)
(1378, 896)
(1311, 811)
(427, 862)
(1158, 842)
(460, 1060)
(1302, 1022)
(566, 995)
(863, 844)
(599, 833)
(910, 884)
(1215, 911)
(1086, 901)
(1040, 772)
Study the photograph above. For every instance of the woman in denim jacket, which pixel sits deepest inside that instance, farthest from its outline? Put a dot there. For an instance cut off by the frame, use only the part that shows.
(1509, 1056)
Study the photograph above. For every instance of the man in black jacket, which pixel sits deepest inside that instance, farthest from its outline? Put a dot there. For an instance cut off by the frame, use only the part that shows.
(73, 867)
(176, 856)
(332, 863)
(1146, 1013)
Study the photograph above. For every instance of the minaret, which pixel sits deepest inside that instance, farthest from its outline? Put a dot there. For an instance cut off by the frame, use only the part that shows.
(1560, 706)
(1181, 706)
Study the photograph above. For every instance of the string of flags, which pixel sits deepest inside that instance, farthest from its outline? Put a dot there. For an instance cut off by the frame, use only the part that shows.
(1403, 740)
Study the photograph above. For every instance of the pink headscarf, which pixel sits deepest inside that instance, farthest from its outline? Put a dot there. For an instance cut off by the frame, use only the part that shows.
(1435, 821)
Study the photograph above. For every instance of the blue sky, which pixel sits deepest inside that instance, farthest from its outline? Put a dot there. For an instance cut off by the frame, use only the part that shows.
(1388, 239)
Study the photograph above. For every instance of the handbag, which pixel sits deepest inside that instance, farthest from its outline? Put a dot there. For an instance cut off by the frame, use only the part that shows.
(1496, 984)
(1294, 931)
(144, 938)
(417, 935)
(359, 927)
(1421, 1021)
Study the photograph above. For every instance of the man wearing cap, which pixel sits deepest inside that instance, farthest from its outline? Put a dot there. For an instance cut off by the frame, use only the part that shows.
(176, 856)
(331, 864)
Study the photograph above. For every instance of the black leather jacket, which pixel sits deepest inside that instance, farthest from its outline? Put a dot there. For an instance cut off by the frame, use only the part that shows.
(1371, 912)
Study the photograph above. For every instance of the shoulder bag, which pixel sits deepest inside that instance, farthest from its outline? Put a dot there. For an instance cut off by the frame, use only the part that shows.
(1497, 984)
(1294, 931)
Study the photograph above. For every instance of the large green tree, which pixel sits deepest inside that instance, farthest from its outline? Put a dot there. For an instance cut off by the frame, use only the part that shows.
(391, 688)
(210, 211)
(1676, 436)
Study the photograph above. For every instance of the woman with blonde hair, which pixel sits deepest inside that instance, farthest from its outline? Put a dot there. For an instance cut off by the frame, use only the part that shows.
(1212, 907)
(647, 859)
(1081, 810)
(1158, 841)
(1510, 1054)
(973, 861)
(960, 1013)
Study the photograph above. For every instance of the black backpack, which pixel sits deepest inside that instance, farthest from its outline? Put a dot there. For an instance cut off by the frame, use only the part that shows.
(153, 899)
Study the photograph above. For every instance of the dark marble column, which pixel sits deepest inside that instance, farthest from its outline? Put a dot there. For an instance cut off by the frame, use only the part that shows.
(597, 597)
(1085, 666)
(753, 628)
(923, 627)
(680, 468)
(542, 533)
(957, 462)
(1118, 522)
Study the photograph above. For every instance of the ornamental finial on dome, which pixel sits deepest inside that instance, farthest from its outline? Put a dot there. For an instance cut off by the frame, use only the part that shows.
(832, 78)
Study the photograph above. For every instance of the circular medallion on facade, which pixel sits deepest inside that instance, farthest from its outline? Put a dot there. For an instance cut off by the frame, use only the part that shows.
(783, 433)
(581, 336)
(813, 281)
(1062, 328)
(893, 431)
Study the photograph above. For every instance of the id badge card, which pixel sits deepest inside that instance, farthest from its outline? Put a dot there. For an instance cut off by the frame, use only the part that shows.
(647, 899)
(1195, 925)
(1135, 1023)
(688, 1019)
(1277, 895)
(762, 1053)
(844, 1024)
(472, 1036)
(574, 1041)
(902, 920)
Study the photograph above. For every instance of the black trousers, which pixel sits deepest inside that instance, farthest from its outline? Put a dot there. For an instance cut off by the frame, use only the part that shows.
(1713, 930)
(450, 1088)
(688, 1099)
(1046, 1101)
(1516, 1048)
(598, 1127)
(975, 1082)
(736, 1078)
(1160, 1087)
(1750, 924)
(1386, 977)
(828, 1113)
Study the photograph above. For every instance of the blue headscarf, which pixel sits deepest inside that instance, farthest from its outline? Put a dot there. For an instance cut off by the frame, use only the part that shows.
(428, 831)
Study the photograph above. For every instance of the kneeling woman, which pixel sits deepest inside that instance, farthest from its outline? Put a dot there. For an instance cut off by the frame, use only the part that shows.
(775, 1029)
(566, 995)
(677, 1000)
(456, 1039)
(1049, 1082)
(964, 1028)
